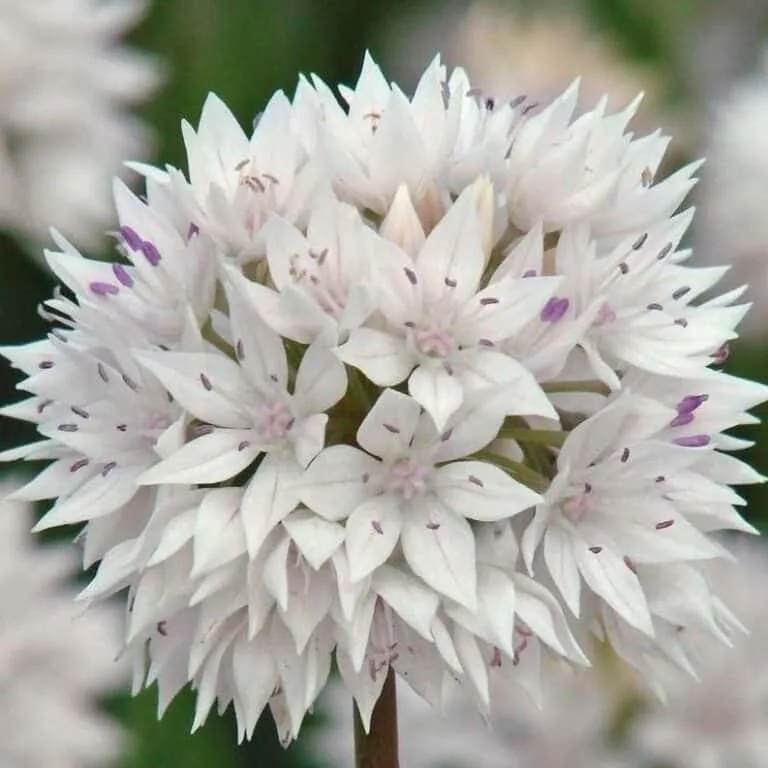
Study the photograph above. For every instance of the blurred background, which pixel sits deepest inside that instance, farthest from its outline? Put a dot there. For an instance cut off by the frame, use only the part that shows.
(85, 84)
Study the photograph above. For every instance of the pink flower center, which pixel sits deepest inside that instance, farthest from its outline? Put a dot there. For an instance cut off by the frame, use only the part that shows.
(273, 420)
(433, 342)
(408, 477)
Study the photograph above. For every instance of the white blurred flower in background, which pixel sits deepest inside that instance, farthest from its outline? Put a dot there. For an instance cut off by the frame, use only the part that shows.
(55, 659)
(510, 52)
(721, 721)
(569, 731)
(733, 197)
(66, 90)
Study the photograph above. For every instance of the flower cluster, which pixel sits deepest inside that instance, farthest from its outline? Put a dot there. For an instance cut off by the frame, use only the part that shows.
(56, 661)
(67, 88)
(393, 381)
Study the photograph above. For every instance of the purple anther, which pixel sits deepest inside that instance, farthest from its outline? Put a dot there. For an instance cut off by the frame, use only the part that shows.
(720, 355)
(151, 254)
(692, 441)
(529, 273)
(193, 231)
(79, 464)
(690, 403)
(682, 419)
(121, 273)
(45, 365)
(554, 310)
(103, 289)
(131, 238)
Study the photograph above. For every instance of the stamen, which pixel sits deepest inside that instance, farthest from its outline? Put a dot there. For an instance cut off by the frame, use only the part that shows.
(46, 365)
(81, 412)
(376, 525)
(488, 300)
(529, 273)
(640, 242)
(151, 254)
(103, 289)
(632, 567)
(411, 275)
(206, 382)
(664, 524)
(102, 372)
(596, 550)
(554, 310)
(625, 456)
(68, 427)
(108, 468)
(476, 481)
(79, 464)
(693, 441)
(121, 273)
(130, 237)
(680, 292)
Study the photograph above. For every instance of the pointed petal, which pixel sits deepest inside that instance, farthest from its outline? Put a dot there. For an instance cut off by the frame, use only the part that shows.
(481, 491)
(321, 380)
(382, 357)
(372, 532)
(389, 426)
(316, 538)
(440, 548)
(210, 458)
(334, 483)
(437, 391)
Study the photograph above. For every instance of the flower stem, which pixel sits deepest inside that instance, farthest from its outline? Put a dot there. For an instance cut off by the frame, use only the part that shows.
(549, 437)
(520, 472)
(378, 747)
(585, 385)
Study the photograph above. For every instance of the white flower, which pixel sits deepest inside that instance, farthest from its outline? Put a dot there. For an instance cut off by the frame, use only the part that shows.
(56, 661)
(351, 362)
(403, 496)
(442, 327)
(734, 190)
(66, 129)
(236, 181)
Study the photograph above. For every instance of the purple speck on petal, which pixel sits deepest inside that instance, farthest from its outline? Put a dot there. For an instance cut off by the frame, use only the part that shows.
(121, 273)
(193, 231)
(554, 310)
(529, 273)
(150, 252)
(103, 289)
(131, 238)
(690, 403)
(692, 441)
(682, 419)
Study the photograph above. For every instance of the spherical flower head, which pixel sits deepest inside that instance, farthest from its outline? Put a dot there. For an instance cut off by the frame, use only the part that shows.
(57, 661)
(420, 385)
(67, 90)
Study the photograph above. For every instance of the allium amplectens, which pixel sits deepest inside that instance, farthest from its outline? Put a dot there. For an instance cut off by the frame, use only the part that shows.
(337, 375)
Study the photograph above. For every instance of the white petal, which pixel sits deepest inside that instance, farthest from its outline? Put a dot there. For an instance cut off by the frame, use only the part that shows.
(389, 426)
(497, 598)
(473, 663)
(372, 532)
(382, 357)
(561, 562)
(610, 577)
(317, 539)
(255, 677)
(321, 380)
(334, 483)
(437, 391)
(219, 534)
(211, 387)
(415, 603)
(481, 491)
(440, 548)
(261, 351)
(472, 427)
(270, 496)
(453, 250)
(210, 458)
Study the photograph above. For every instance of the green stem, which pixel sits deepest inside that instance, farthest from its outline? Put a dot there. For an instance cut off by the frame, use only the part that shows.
(584, 385)
(551, 437)
(519, 471)
(378, 748)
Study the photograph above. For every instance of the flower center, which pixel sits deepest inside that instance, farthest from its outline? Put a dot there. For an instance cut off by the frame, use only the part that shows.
(407, 477)
(575, 507)
(433, 342)
(273, 420)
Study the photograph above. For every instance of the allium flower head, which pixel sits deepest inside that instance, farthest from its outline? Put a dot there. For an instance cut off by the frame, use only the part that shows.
(66, 86)
(388, 382)
(56, 660)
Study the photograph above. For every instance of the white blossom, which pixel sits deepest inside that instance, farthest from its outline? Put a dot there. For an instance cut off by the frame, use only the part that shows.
(56, 660)
(386, 384)
(68, 87)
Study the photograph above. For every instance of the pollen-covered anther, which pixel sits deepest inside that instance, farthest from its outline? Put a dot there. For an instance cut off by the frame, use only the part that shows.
(407, 477)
